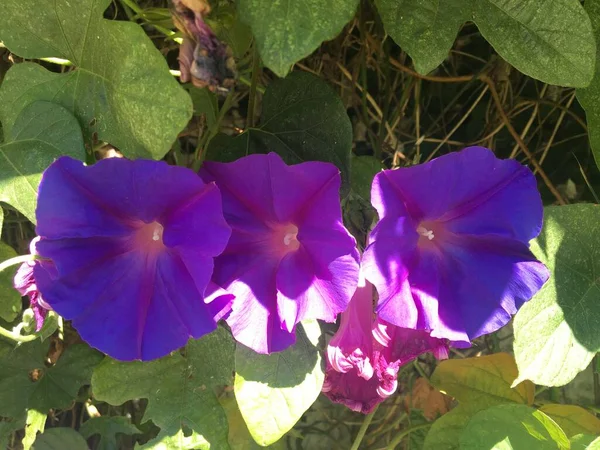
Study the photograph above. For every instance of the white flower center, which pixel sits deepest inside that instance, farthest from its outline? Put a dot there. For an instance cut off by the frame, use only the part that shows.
(425, 233)
(289, 238)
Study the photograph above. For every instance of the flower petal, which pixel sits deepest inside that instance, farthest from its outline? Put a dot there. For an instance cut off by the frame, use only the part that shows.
(471, 190)
(130, 307)
(202, 213)
(93, 204)
(488, 279)
(287, 236)
(386, 263)
(282, 192)
(253, 319)
(303, 292)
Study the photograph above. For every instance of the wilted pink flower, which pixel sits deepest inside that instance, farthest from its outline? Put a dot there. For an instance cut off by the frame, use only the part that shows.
(289, 257)
(24, 282)
(203, 58)
(450, 253)
(366, 353)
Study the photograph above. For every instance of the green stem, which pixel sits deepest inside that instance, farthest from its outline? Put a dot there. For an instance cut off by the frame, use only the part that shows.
(253, 84)
(405, 433)
(419, 369)
(363, 429)
(16, 260)
(207, 136)
(133, 6)
(596, 378)
(247, 82)
(16, 337)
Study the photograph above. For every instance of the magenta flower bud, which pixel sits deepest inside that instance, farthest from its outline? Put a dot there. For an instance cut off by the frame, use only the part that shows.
(24, 282)
(366, 353)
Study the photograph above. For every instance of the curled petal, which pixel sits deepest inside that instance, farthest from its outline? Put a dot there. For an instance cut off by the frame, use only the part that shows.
(386, 263)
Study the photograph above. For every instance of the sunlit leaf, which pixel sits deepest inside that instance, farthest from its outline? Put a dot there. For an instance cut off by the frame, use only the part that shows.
(505, 427)
(120, 87)
(585, 442)
(36, 422)
(239, 436)
(273, 391)
(482, 382)
(573, 419)
(556, 333)
(477, 384)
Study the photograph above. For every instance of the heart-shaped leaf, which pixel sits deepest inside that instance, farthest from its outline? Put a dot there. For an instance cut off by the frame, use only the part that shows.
(41, 133)
(120, 87)
(556, 333)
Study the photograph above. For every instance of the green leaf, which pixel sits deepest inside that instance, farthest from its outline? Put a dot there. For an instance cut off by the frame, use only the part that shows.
(26, 382)
(289, 30)
(573, 419)
(550, 41)
(273, 391)
(239, 436)
(60, 439)
(8, 427)
(556, 333)
(36, 422)
(505, 427)
(49, 327)
(446, 431)
(41, 133)
(205, 103)
(302, 120)
(482, 382)
(477, 384)
(364, 169)
(589, 97)
(425, 29)
(10, 299)
(108, 427)
(226, 24)
(180, 391)
(120, 88)
(585, 442)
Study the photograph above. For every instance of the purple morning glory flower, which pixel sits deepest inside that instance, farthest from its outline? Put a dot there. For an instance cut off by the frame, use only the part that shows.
(450, 253)
(289, 257)
(366, 353)
(133, 243)
(24, 282)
